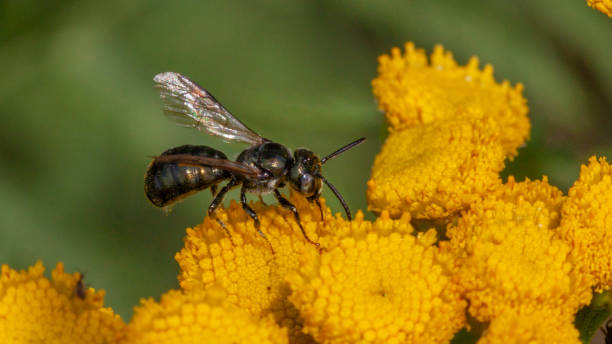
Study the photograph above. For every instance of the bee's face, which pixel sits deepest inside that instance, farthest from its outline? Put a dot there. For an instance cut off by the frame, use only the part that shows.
(303, 174)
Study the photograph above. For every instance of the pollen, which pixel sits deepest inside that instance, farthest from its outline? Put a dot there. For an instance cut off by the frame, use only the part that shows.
(377, 283)
(35, 309)
(586, 221)
(603, 6)
(250, 268)
(199, 317)
(508, 257)
(437, 169)
(413, 91)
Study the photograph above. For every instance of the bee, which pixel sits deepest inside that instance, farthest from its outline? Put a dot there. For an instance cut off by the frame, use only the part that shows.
(264, 167)
(79, 288)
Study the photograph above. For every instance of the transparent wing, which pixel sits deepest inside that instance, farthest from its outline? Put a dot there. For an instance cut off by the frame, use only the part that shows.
(189, 105)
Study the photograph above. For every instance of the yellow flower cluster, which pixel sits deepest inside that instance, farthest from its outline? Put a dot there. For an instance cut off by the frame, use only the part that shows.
(510, 260)
(251, 269)
(378, 284)
(413, 91)
(521, 257)
(542, 326)
(254, 273)
(435, 170)
(603, 6)
(522, 251)
(451, 127)
(543, 209)
(586, 222)
(34, 309)
(199, 317)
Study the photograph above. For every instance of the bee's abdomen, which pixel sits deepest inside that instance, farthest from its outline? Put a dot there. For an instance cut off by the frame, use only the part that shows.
(166, 183)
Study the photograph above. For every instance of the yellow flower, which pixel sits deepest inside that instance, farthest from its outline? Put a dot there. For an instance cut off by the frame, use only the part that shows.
(510, 259)
(451, 127)
(436, 170)
(545, 327)
(586, 221)
(199, 317)
(252, 274)
(412, 92)
(34, 309)
(603, 6)
(377, 283)
(546, 201)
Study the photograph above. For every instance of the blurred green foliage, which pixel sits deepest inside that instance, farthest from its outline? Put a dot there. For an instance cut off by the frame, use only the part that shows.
(80, 118)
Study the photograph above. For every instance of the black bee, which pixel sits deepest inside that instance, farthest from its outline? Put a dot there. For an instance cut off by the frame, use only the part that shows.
(607, 331)
(262, 168)
(80, 289)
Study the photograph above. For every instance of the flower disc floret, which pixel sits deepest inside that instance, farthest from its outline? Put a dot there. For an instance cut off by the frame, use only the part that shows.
(539, 327)
(603, 6)
(34, 309)
(586, 221)
(373, 285)
(251, 269)
(414, 91)
(199, 317)
(436, 170)
(532, 191)
(510, 259)
(540, 203)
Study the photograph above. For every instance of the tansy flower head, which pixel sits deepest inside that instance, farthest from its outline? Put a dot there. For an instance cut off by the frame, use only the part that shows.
(509, 259)
(603, 6)
(245, 265)
(544, 207)
(538, 327)
(413, 91)
(534, 192)
(34, 309)
(436, 169)
(199, 317)
(376, 283)
(586, 221)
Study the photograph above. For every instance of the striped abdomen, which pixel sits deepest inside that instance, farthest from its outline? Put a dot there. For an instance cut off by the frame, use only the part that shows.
(166, 183)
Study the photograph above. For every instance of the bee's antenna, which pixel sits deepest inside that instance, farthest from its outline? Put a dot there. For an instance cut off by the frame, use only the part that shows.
(337, 193)
(340, 151)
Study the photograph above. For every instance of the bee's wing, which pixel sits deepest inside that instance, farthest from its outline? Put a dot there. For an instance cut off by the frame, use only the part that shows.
(196, 160)
(189, 105)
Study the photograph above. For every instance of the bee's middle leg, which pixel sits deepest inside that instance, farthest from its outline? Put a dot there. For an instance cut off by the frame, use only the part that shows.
(253, 215)
(212, 208)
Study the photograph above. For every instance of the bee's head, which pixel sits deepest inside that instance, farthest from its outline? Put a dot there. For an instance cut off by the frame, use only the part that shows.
(304, 174)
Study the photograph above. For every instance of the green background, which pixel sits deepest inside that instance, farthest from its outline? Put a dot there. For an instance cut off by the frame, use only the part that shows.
(80, 118)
